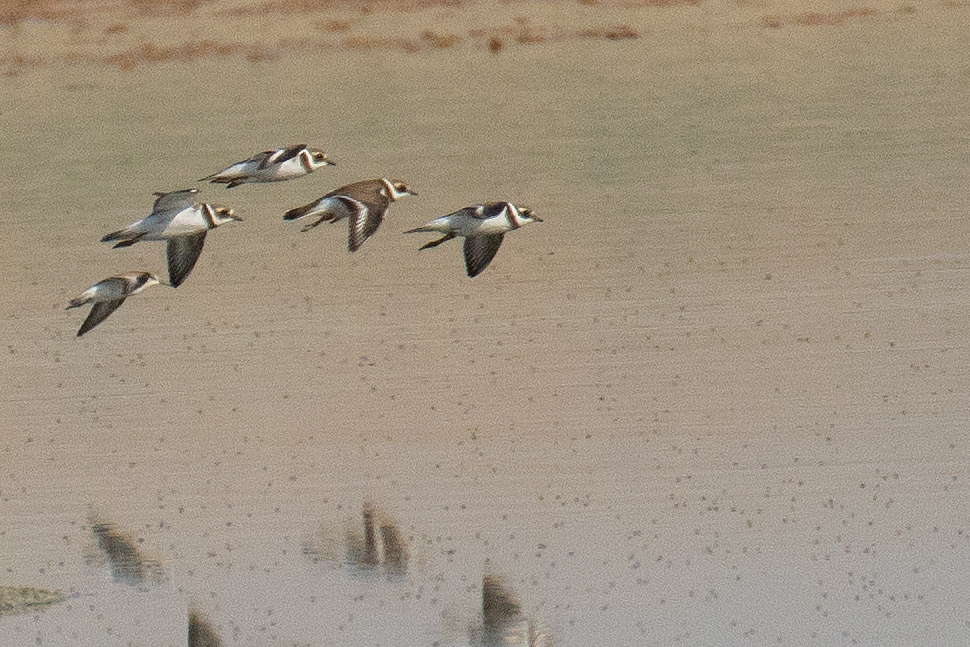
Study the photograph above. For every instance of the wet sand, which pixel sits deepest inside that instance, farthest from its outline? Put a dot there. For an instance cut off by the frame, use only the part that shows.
(719, 396)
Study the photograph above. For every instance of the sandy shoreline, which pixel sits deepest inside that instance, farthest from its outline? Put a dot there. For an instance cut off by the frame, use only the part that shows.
(127, 34)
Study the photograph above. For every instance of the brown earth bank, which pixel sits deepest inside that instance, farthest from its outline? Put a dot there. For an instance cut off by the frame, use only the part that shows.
(128, 33)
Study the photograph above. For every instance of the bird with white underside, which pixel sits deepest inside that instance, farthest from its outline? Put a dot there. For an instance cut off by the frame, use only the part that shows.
(108, 295)
(483, 226)
(363, 204)
(182, 222)
(275, 165)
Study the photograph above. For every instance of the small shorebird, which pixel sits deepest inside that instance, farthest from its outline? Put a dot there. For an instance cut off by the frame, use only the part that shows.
(483, 226)
(177, 218)
(108, 295)
(272, 166)
(363, 203)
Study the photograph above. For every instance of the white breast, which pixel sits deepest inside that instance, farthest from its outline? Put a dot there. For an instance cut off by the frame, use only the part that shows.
(288, 169)
(186, 221)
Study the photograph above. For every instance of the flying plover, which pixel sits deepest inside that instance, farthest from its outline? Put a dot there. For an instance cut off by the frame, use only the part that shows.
(177, 218)
(272, 166)
(483, 226)
(363, 203)
(109, 294)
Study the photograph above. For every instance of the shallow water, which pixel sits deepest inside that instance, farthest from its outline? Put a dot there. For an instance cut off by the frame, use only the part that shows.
(719, 396)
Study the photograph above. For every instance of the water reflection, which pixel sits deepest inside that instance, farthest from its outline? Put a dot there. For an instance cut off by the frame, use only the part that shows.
(201, 632)
(372, 543)
(128, 563)
(503, 622)
(15, 600)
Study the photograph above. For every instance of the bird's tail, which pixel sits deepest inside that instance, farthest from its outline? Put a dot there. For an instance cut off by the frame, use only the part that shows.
(418, 230)
(124, 237)
(115, 235)
(215, 178)
(299, 212)
(439, 225)
(77, 302)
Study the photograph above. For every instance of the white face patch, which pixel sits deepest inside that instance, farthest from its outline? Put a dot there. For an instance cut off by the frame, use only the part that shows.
(145, 281)
(394, 192)
(306, 161)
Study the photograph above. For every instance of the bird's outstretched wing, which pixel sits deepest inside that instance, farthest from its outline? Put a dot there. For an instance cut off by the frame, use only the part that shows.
(183, 252)
(479, 251)
(99, 313)
(174, 200)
